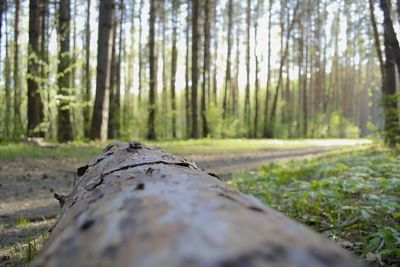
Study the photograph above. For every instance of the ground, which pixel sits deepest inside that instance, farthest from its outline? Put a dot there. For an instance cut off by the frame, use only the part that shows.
(29, 176)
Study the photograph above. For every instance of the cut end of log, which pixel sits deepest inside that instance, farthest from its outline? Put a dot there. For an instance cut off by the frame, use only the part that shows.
(136, 205)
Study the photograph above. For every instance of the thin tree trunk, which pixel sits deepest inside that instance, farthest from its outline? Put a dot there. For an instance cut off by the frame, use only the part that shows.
(228, 81)
(7, 85)
(140, 71)
(151, 134)
(283, 59)
(17, 86)
(187, 88)
(64, 73)
(195, 42)
(257, 70)
(215, 61)
(87, 93)
(35, 105)
(101, 102)
(247, 117)
(266, 132)
(155, 209)
(174, 59)
(206, 67)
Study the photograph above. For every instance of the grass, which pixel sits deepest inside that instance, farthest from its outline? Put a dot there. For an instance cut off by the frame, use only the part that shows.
(25, 252)
(86, 151)
(352, 197)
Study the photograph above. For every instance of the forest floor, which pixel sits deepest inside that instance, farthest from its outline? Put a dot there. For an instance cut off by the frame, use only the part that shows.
(30, 175)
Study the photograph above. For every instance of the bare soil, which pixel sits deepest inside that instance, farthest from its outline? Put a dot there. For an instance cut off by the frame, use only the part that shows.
(27, 188)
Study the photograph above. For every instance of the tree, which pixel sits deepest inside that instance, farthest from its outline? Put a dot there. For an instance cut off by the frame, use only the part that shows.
(172, 214)
(63, 77)
(389, 99)
(87, 93)
(206, 67)
(266, 132)
(283, 59)
(35, 104)
(247, 120)
(101, 102)
(228, 78)
(257, 70)
(17, 86)
(7, 86)
(174, 59)
(151, 132)
(195, 42)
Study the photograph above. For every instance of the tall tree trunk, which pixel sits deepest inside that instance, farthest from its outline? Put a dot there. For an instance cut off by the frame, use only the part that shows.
(206, 67)
(164, 99)
(187, 88)
(247, 117)
(283, 59)
(151, 134)
(215, 61)
(266, 132)
(64, 73)
(155, 209)
(7, 84)
(2, 9)
(228, 79)
(140, 52)
(174, 59)
(87, 92)
(101, 102)
(35, 104)
(113, 81)
(390, 107)
(195, 72)
(17, 86)
(257, 70)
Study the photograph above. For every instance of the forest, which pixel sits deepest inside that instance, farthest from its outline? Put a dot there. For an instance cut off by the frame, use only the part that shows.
(282, 117)
(192, 69)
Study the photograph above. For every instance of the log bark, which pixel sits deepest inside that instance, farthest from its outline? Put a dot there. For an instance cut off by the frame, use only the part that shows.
(139, 206)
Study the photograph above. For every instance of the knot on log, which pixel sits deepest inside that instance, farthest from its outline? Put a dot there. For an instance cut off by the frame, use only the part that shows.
(61, 199)
(134, 145)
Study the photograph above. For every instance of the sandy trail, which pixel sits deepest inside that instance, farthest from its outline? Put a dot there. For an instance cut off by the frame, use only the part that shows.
(27, 187)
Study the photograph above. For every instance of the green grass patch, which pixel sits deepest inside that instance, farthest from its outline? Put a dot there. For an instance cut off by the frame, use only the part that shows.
(87, 151)
(22, 222)
(352, 197)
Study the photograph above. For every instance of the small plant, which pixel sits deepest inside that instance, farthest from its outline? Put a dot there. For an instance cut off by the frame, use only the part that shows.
(354, 198)
(22, 222)
(27, 251)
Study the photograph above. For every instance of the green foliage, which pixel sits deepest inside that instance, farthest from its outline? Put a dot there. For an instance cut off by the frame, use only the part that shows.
(353, 197)
(26, 252)
(22, 222)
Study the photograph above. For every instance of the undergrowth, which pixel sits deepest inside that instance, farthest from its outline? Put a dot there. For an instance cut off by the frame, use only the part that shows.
(354, 198)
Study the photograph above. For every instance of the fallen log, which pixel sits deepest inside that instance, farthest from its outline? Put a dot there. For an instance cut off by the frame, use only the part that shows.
(140, 206)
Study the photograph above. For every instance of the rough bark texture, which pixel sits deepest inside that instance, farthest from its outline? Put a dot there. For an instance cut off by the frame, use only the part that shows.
(101, 102)
(139, 206)
(64, 74)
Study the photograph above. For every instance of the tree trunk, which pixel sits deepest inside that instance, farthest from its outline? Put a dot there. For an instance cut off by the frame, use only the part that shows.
(140, 206)
(7, 85)
(87, 93)
(101, 102)
(17, 86)
(283, 59)
(35, 105)
(151, 134)
(187, 87)
(174, 59)
(266, 132)
(140, 52)
(247, 120)
(392, 56)
(206, 67)
(257, 70)
(64, 73)
(228, 81)
(195, 72)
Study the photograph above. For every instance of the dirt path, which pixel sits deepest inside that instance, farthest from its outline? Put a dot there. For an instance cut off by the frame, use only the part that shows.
(28, 209)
